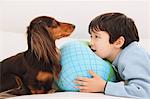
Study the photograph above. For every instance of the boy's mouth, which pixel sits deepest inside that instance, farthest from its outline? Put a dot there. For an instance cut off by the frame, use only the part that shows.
(93, 50)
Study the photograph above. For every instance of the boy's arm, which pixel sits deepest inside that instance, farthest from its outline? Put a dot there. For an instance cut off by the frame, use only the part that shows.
(120, 89)
(134, 68)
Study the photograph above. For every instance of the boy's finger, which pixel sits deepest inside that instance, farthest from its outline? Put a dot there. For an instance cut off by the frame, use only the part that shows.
(84, 91)
(82, 79)
(81, 83)
(81, 87)
(92, 73)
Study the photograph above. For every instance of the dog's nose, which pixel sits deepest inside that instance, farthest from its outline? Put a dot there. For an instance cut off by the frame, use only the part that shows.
(73, 26)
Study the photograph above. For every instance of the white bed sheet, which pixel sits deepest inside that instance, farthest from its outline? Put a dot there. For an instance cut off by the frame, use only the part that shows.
(68, 95)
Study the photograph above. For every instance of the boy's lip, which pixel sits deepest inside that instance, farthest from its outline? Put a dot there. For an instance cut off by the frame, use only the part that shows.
(93, 50)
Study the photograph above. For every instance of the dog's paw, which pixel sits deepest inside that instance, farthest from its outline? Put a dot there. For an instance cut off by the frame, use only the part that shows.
(18, 91)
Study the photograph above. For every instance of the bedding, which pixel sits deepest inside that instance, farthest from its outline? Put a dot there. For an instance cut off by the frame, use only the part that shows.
(68, 95)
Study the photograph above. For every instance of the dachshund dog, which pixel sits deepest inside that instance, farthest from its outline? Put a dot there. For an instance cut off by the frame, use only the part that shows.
(33, 71)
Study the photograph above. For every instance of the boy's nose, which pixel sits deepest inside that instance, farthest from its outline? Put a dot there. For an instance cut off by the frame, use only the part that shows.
(91, 43)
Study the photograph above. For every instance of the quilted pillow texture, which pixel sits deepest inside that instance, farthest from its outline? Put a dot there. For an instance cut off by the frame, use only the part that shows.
(77, 59)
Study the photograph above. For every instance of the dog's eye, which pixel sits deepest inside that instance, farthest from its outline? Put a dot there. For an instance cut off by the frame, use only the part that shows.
(55, 24)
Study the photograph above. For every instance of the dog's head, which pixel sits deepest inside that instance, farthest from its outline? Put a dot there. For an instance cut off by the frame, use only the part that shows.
(61, 29)
(55, 28)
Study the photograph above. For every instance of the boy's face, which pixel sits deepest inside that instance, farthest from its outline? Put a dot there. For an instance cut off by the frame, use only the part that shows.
(101, 46)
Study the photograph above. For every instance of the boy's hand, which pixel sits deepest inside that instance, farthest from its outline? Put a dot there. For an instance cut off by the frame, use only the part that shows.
(95, 84)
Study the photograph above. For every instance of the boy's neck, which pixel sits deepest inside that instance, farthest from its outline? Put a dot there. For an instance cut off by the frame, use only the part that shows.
(114, 55)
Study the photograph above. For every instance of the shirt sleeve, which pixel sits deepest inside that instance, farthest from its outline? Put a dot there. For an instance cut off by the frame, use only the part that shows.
(120, 89)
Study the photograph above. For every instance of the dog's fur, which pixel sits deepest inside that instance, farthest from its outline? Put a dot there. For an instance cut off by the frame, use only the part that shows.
(34, 70)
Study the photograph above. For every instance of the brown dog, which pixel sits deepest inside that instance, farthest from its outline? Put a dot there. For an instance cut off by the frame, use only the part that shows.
(34, 70)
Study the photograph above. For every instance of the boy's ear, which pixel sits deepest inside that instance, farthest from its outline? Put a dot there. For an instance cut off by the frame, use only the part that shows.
(119, 42)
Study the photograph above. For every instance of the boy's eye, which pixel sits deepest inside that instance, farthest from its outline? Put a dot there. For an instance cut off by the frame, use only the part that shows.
(94, 36)
(97, 36)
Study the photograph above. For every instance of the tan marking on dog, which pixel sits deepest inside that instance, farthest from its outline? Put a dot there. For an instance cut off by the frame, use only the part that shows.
(44, 76)
(63, 30)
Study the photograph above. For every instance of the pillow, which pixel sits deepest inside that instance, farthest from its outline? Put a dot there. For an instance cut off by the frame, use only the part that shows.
(77, 59)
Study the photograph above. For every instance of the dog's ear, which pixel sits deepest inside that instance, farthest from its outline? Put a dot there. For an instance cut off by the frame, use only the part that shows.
(43, 46)
(41, 41)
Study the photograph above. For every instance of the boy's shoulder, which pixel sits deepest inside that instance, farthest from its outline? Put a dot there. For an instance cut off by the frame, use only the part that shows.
(132, 52)
(133, 48)
(131, 57)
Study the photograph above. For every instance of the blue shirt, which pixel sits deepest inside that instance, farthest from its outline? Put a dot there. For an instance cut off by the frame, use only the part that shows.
(133, 66)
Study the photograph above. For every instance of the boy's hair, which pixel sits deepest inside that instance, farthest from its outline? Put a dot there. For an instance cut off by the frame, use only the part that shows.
(116, 24)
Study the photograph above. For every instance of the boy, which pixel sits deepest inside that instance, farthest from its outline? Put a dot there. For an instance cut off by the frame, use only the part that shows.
(114, 37)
